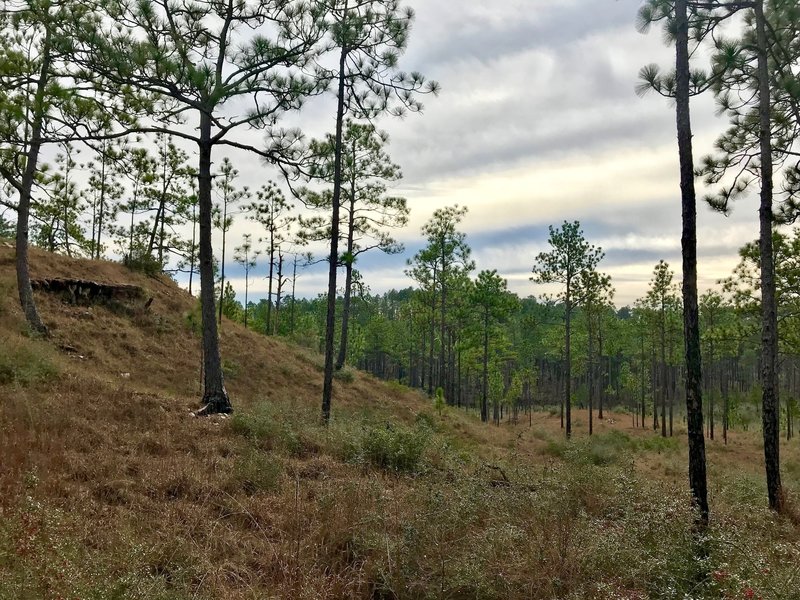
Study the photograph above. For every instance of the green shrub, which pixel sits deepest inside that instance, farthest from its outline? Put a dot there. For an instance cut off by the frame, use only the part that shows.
(24, 364)
(258, 426)
(230, 368)
(659, 444)
(143, 263)
(609, 448)
(194, 319)
(269, 429)
(392, 447)
(425, 419)
(396, 386)
(344, 374)
(603, 453)
(438, 401)
(256, 472)
(554, 448)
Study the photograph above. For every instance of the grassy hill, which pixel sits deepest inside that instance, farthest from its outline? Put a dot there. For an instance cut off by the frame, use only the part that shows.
(109, 488)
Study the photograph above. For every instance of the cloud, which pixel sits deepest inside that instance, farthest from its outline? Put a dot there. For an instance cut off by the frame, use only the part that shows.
(538, 123)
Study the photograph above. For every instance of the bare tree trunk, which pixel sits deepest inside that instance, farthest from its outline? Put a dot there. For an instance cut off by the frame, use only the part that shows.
(333, 259)
(443, 284)
(159, 218)
(723, 382)
(485, 377)
(215, 397)
(101, 208)
(222, 260)
(607, 370)
(294, 284)
(192, 252)
(433, 334)
(769, 326)
(654, 386)
(270, 277)
(691, 313)
(25, 192)
(246, 290)
(663, 375)
(348, 278)
(279, 293)
(134, 197)
(568, 365)
(423, 350)
(711, 372)
(591, 376)
(67, 172)
(641, 377)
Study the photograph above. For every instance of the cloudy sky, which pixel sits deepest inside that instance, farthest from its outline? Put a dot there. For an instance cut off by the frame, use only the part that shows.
(537, 122)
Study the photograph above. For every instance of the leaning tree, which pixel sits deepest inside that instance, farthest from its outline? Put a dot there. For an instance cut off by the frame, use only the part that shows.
(44, 99)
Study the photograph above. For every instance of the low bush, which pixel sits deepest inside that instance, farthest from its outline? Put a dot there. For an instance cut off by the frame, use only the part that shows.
(143, 263)
(659, 444)
(269, 427)
(255, 472)
(344, 375)
(394, 447)
(25, 363)
(231, 368)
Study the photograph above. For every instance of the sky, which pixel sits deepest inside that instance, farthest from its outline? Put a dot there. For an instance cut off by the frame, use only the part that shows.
(537, 122)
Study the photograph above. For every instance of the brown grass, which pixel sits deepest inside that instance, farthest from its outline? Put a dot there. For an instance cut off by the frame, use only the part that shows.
(109, 489)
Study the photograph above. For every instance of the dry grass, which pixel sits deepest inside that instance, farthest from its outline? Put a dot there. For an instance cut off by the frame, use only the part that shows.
(108, 489)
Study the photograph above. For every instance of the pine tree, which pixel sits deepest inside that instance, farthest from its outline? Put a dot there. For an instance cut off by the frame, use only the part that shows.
(567, 262)
(211, 61)
(229, 195)
(369, 36)
(245, 256)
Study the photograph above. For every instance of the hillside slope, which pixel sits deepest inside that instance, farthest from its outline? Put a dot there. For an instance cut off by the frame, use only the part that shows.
(110, 489)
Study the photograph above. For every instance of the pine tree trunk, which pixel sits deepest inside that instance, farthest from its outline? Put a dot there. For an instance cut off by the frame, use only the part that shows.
(333, 259)
(769, 331)
(591, 377)
(691, 320)
(607, 371)
(134, 197)
(673, 379)
(246, 290)
(101, 206)
(641, 378)
(711, 372)
(723, 382)
(279, 294)
(422, 354)
(271, 275)
(294, 284)
(192, 250)
(348, 281)
(443, 284)
(215, 397)
(485, 378)
(24, 287)
(222, 260)
(568, 365)
(159, 218)
(654, 386)
(663, 375)
(433, 335)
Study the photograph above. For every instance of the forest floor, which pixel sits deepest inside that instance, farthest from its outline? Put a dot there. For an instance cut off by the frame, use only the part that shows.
(109, 488)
